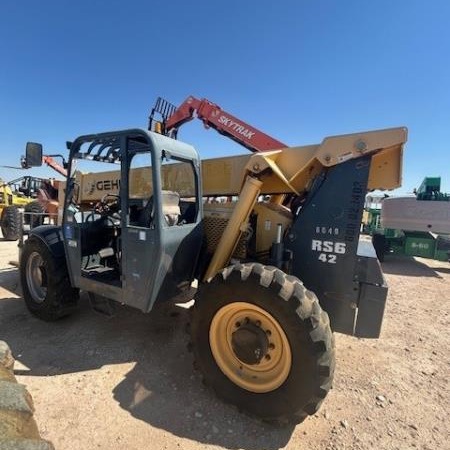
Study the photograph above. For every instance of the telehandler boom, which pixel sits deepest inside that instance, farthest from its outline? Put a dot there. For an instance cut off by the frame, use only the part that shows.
(212, 116)
(272, 284)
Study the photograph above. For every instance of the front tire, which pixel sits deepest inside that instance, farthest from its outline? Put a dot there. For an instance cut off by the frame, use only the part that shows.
(46, 286)
(263, 343)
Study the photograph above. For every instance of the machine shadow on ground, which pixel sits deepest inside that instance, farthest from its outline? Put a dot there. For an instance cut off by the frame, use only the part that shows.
(183, 406)
(442, 269)
(162, 389)
(408, 266)
(9, 282)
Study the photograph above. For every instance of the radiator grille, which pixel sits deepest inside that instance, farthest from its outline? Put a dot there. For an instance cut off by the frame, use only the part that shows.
(214, 228)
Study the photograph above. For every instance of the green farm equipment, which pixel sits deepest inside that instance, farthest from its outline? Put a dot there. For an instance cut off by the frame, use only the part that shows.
(411, 226)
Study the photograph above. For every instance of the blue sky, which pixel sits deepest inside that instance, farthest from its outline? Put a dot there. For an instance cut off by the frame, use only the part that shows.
(298, 70)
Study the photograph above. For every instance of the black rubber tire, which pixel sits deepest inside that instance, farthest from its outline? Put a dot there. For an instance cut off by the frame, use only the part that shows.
(61, 298)
(34, 221)
(11, 223)
(379, 244)
(305, 324)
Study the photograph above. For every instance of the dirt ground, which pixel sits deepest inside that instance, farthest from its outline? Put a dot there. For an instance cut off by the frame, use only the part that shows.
(128, 383)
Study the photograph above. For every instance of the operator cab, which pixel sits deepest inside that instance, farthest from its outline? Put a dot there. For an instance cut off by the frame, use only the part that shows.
(132, 221)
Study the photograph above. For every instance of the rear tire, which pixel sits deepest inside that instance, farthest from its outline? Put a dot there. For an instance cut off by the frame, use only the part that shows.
(46, 286)
(11, 223)
(296, 371)
(34, 219)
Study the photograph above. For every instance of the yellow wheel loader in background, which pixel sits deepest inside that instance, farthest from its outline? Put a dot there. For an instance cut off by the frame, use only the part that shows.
(10, 205)
(22, 195)
(14, 197)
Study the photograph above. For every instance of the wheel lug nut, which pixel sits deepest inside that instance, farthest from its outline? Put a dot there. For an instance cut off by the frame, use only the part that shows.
(268, 332)
(271, 346)
(237, 324)
(258, 323)
(267, 357)
(247, 320)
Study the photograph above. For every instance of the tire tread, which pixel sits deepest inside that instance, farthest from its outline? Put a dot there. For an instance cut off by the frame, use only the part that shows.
(11, 223)
(304, 305)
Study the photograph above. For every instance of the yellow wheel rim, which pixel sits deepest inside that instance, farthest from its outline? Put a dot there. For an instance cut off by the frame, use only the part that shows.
(274, 367)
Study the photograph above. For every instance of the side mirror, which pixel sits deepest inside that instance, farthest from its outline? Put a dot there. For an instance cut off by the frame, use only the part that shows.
(33, 155)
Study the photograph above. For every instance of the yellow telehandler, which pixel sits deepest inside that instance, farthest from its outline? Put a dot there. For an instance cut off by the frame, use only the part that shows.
(274, 281)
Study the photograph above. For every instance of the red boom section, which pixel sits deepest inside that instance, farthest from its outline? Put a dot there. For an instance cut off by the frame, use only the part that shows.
(224, 123)
(50, 162)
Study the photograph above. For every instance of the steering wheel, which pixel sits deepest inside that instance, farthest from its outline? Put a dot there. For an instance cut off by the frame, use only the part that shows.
(109, 204)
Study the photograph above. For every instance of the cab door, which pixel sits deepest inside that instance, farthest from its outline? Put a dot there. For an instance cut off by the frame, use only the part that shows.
(162, 236)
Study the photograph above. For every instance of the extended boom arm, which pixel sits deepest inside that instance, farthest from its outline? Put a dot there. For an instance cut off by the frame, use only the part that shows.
(212, 116)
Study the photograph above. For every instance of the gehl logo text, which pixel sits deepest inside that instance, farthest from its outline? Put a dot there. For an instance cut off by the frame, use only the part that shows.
(103, 185)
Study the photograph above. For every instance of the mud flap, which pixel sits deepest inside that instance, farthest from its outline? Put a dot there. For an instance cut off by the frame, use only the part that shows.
(371, 305)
